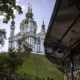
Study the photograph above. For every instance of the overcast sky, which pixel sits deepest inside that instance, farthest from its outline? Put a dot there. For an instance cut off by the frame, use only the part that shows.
(40, 8)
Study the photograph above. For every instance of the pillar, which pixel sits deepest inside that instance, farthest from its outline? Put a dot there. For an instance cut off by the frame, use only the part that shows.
(33, 42)
(29, 39)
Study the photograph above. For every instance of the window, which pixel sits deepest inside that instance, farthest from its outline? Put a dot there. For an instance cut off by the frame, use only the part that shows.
(39, 40)
(39, 48)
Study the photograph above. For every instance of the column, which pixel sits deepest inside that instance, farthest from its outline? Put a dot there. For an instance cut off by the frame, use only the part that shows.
(13, 44)
(33, 43)
(16, 45)
(42, 46)
(29, 40)
(9, 45)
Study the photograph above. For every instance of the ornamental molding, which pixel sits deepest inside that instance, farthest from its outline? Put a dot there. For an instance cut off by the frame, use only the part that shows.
(42, 38)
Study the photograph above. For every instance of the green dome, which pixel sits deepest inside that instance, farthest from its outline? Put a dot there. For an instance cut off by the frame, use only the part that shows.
(34, 22)
(43, 26)
(29, 15)
(12, 23)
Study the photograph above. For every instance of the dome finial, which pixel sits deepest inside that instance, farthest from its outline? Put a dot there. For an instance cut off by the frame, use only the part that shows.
(13, 22)
(29, 7)
(43, 26)
(29, 14)
(43, 21)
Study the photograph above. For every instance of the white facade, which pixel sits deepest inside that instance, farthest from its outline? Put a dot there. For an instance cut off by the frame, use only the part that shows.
(28, 27)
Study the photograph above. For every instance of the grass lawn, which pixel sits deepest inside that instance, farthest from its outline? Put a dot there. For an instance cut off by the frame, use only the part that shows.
(45, 68)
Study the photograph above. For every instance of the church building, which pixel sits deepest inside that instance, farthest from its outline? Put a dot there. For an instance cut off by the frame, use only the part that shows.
(28, 27)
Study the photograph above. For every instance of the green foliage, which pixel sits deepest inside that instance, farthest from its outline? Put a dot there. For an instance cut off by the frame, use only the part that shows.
(13, 61)
(7, 7)
(2, 36)
(10, 61)
(3, 62)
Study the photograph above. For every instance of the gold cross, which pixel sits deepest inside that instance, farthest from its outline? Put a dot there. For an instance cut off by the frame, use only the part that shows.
(29, 4)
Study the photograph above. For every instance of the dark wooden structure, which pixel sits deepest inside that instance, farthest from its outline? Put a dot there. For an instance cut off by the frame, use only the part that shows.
(62, 40)
(63, 32)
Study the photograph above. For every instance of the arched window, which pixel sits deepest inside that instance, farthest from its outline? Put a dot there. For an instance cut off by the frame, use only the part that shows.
(39, 49)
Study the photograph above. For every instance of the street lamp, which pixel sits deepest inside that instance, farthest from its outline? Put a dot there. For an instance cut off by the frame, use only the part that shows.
(37, 43)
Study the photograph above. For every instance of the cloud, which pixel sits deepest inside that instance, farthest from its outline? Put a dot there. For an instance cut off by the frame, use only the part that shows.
(1, 17)
(23, 7)
(17, 0)
(17, 4)
(15, 12)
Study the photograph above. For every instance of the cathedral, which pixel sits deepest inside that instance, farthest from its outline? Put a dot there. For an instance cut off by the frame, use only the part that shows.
(28, 27)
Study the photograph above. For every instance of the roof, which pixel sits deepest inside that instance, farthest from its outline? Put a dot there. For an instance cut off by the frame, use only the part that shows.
(41, 33)
(18, 34)
(64, 29)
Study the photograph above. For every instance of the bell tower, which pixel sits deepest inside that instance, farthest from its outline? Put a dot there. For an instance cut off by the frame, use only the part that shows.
(12, 28)
(32, 27)
(43, 26)
(11, 39)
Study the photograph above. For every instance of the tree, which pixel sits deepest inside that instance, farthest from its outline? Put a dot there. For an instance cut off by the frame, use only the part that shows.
(2, 37)
(14, 61)
(7, 9)
(3, 62)
(23, 46)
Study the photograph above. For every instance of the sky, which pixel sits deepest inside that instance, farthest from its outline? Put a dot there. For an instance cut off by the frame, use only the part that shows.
(40, 8)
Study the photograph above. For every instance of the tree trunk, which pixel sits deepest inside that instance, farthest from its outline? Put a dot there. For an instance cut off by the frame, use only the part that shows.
(10, 74)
